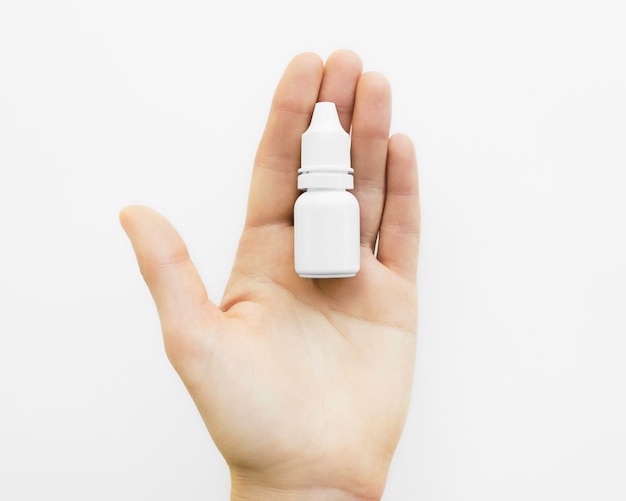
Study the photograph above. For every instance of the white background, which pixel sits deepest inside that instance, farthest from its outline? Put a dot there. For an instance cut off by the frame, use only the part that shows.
(518, 113)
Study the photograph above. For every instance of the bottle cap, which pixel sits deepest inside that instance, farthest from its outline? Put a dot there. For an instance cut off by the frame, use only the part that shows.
(325, 151)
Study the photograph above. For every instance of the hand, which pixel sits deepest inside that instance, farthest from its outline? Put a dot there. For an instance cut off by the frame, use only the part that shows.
(303, 384)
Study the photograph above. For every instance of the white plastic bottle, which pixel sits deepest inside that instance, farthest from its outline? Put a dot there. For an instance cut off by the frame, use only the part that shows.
(326, 216)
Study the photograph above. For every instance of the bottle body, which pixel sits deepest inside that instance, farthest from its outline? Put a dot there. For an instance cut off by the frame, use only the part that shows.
(326, 234)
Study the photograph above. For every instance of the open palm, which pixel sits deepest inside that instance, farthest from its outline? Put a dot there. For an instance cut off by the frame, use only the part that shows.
(303, 384)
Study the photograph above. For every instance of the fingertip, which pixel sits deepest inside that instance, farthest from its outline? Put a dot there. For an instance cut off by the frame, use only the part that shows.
(376, 83)
(402, 139)
(345, 58)
(131, 213)
(307, 63)
(308, 56)
(154, 239)
(403, 147)
(122, 215)
(299, 85)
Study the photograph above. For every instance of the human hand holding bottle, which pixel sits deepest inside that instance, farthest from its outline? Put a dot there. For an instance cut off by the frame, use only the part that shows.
(303, 384)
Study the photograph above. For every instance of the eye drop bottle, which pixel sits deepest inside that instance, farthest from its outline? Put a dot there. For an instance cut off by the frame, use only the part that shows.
(326, 215)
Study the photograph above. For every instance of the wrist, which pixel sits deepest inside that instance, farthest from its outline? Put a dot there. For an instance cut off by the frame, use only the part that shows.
(258, 493)
(244, 489)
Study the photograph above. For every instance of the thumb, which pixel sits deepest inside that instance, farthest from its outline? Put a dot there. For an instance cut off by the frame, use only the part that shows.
(187, 315)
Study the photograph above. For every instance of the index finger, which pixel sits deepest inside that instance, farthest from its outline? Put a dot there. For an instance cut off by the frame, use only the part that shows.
(273, 188)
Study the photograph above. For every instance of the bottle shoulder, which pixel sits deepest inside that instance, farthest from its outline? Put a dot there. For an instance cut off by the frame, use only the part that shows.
(327, 197)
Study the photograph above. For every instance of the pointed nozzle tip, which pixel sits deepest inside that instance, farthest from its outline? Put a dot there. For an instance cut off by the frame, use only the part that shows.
(325, 116)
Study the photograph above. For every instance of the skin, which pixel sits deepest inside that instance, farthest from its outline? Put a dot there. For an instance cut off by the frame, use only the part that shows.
(303, 384)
